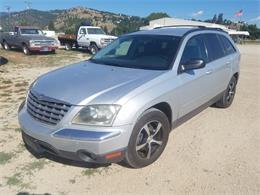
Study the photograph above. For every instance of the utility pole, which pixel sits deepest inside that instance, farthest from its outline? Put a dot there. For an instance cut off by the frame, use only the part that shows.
(8, 8)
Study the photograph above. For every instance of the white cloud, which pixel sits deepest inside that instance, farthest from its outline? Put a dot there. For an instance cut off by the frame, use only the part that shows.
(255, 19)
(198, 13)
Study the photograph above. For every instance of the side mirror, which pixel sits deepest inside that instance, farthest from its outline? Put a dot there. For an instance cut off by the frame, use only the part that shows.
(193, 64)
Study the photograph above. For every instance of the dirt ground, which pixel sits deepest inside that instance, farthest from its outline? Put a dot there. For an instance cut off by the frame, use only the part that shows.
(216, 152)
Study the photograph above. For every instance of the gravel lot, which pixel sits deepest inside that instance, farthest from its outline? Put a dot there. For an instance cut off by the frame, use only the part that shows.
(216, 152)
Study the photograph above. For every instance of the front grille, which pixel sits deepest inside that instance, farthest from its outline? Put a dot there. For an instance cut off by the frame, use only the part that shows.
(108, 40)
(44, 43)
(45, 109)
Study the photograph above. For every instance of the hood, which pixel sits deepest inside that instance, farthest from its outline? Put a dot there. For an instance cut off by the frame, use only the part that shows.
(38, 37)
(103, 36)
(86, 82)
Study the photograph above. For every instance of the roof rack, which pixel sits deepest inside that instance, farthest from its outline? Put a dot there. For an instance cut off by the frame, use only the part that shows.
(181, 25)
(198, 26)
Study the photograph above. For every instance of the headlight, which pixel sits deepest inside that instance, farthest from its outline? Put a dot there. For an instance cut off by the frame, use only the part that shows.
(32, 43)
(102, 41)
(99, 115)
(56, 43)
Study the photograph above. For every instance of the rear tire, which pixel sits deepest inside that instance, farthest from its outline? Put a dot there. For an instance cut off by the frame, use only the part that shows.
(26, 50)
(93, 48)
(228, 96)
(68, 46)
(148, 139)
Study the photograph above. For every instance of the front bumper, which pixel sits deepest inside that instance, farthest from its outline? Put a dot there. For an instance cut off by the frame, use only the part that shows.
(43, 149)
(90, 145)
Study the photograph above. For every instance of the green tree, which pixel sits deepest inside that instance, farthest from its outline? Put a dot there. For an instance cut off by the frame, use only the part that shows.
(214, 19)
(157, 15)
(252, 29)
(220, 19)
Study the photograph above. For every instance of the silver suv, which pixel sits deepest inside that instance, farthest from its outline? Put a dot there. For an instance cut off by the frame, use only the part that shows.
(123, 102)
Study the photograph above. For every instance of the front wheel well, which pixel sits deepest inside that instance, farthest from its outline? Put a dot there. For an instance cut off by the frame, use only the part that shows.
(93, 43)
(236, 75)
(166, 109)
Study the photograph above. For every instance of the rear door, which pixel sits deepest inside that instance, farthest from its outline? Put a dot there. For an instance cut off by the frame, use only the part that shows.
(194, 84)
(219, 64)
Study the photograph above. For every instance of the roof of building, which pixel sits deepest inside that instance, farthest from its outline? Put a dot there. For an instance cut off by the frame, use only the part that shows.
(176, 21)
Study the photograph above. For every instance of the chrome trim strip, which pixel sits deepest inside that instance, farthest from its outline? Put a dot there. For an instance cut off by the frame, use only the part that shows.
(82, 135)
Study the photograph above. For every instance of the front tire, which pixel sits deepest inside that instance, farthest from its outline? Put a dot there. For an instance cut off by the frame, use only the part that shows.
(93, 49)
(228, 96)
(26, 50)
(148, 139)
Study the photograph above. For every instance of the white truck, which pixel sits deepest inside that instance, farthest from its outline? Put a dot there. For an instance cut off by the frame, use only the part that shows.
(90, 37)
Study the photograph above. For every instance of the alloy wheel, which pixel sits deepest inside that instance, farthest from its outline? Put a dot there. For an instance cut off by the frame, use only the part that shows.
(231, 91)
(149, 139)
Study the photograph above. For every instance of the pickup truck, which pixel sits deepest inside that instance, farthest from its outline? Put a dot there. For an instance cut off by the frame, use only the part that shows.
(90, 37)
(29, 39)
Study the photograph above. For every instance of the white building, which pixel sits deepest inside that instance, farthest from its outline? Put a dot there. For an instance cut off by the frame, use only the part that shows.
(175, 21)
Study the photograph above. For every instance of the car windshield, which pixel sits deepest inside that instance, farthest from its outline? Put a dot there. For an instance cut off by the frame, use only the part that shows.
(152, 52)
(95, 31)
(27, 31)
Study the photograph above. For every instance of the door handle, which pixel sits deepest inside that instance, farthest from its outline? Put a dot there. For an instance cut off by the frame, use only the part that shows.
(209, 72)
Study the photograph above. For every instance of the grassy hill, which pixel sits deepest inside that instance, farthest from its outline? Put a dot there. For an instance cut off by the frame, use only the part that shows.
(68, 20)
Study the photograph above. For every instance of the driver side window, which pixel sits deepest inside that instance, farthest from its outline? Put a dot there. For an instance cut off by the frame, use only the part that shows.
(194, 49)
(82, 31)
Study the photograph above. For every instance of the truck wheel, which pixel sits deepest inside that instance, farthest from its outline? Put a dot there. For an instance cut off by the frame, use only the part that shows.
(68, 46)
(6, 46)
(228, 97)
(26, 50)
(148, 139)
(93, 49)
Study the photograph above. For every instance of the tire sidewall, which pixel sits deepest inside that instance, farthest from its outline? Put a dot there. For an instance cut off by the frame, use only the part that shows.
(225, 102)
(26, 50)
(150, 115)
(93, 46)
(6, 46)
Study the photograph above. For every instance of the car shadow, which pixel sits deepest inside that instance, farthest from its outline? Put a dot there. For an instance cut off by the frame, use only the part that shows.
(27, 193)
(17, 50)
(3, 61)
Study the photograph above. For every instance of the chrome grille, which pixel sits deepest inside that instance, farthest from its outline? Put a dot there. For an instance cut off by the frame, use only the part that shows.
(44, 43)
(108, 40)
(45, 109)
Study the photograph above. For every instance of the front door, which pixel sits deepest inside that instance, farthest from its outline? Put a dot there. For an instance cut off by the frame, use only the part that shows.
(194, 89)
(82, 38)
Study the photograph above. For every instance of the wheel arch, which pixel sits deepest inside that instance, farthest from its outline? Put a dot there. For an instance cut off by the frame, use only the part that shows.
(236, 75)
(166, 109)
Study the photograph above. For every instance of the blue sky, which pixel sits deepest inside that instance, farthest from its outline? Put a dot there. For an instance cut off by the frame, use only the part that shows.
(199, 9)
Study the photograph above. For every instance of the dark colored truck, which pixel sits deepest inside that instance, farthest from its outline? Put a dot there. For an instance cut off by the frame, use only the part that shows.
(29, 39)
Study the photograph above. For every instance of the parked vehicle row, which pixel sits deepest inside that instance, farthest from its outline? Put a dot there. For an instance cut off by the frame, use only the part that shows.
(123, 102)
(31, 39)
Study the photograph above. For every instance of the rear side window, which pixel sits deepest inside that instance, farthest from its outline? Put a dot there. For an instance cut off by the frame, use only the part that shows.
(214, 47)
(194, 49)
(228, 47)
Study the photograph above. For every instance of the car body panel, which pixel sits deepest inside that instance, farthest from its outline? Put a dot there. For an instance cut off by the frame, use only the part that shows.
(135, 90)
